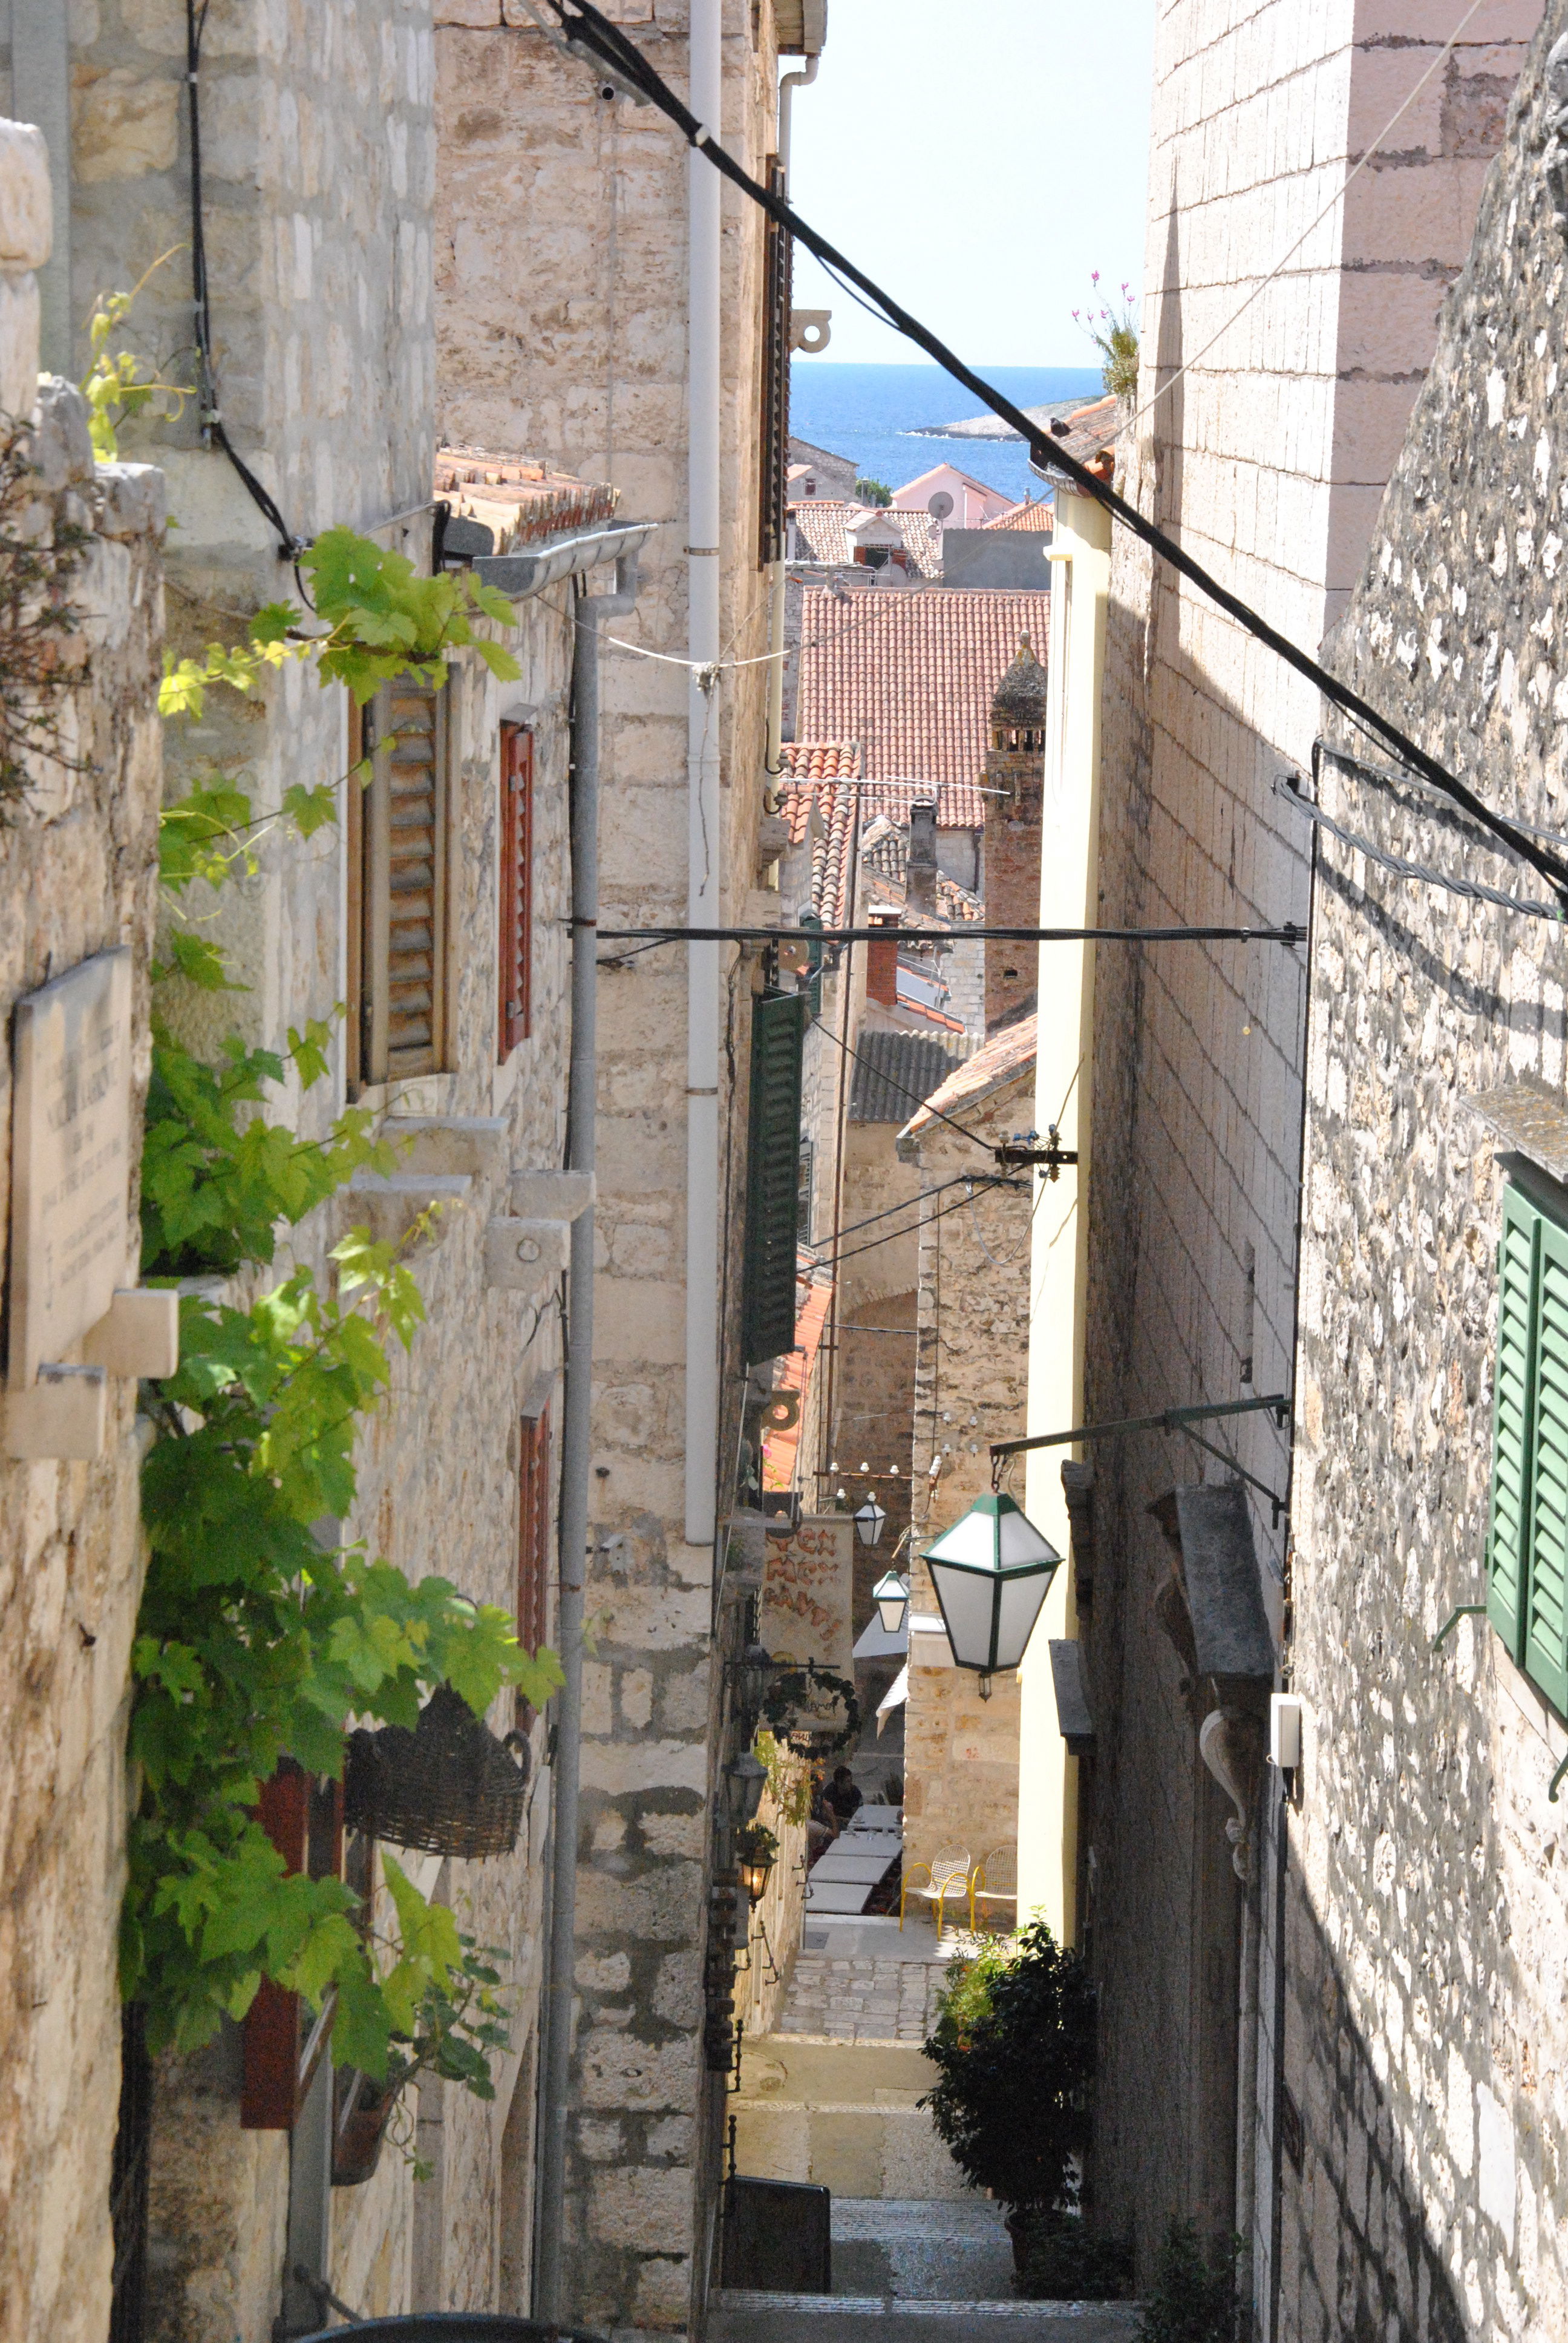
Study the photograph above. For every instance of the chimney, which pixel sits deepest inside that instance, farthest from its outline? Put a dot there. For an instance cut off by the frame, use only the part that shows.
(920, 871)
(882, 961)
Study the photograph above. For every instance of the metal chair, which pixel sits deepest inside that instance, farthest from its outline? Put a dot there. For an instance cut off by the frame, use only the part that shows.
(946, 1875)
(994, 1880)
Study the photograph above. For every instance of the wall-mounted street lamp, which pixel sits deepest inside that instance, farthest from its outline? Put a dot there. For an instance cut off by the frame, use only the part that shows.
(869, 1520)
(892, 1597)
(991, 1572)
(744, 1783)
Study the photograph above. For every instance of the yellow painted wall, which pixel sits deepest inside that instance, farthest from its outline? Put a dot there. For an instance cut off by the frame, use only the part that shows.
(1048, 1777)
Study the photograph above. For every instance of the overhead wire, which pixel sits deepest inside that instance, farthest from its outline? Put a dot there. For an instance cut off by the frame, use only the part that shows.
(902, 1089)
(592, 30)
(1289, 789)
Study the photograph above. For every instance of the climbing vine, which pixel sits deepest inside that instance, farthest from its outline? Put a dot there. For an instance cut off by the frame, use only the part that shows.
(260, 1637)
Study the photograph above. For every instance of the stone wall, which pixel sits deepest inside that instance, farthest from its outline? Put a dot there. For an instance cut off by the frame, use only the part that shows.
(1271, 475)
(971, 1374)
(561, 292)
(78, 863)
(1425, 2029)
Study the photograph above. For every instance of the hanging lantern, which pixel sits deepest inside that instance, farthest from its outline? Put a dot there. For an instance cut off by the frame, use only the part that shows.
(745, 1782)
(991, 1572)
(751, 1675)
(892, 1597)
(869, 1520)
(756, 1851)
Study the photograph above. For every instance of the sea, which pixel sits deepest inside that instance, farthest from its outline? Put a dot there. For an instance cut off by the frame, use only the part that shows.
(872, 414)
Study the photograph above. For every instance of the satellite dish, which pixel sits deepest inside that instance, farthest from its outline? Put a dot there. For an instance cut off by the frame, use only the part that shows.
(940, 505)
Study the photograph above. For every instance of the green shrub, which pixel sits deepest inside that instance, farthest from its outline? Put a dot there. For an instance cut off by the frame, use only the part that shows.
(1014, 2050)
(873, 492)
(1193, 2299)
(1064, 2261)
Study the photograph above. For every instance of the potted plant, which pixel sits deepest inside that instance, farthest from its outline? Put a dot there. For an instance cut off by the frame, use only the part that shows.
(1014, 2051)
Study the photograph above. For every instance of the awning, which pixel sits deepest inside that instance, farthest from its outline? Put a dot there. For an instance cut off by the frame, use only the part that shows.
(874, 1642)
(896, 1695)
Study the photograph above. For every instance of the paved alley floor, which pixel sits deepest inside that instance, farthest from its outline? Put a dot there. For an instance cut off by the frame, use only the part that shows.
(865, 1981)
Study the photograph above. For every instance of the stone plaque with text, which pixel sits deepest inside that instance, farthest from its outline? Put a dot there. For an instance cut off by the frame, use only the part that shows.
(70, 1160)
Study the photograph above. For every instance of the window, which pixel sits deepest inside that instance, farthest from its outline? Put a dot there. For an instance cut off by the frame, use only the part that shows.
(533, 1535)
(515, 955)
(397, 887)
(1527, 1541)
(283, 2040)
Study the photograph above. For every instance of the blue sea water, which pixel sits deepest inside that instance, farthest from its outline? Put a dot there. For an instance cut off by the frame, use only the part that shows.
(869, 413)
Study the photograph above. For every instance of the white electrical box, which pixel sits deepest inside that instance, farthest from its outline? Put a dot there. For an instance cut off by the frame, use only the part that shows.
(1284, 1729)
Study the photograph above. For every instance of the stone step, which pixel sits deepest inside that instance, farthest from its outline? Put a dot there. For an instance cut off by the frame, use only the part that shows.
(921, 2250)
(737, 2318)
(843, 2115)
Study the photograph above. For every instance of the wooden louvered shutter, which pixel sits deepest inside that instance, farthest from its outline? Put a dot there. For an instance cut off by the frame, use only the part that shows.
(778, 270)
(1507, 1545)
(403, 889)
(772, 1179)
(1546, 1587)
(515, 952)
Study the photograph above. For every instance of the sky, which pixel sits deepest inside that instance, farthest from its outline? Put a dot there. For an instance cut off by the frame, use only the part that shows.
(979, 162)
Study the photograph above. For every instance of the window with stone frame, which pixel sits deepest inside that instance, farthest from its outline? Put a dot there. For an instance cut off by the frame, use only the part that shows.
(533, 1533)
(515, 943)
(397, 846)
(1527, 1539)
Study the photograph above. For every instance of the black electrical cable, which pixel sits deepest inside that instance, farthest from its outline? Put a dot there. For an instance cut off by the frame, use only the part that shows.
(596, 33)
(1472, 889)
(963, 1130)
(1290, 934)
(289, 546)
(942, 1213)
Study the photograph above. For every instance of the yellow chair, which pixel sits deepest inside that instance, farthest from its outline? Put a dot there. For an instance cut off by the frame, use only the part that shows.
(994, 1880)
(946, 1875)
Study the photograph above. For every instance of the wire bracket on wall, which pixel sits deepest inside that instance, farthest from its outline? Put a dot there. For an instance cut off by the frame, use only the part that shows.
(1174, 1419)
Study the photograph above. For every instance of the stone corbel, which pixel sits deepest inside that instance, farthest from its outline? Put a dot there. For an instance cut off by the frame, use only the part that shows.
(1230, 1744)
(522, 1254)
(63, 1416)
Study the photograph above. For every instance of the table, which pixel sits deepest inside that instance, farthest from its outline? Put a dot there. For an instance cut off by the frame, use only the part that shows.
(841, 1896)
(869, 1864)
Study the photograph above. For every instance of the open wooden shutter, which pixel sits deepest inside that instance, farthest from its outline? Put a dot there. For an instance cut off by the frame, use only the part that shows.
(778, 269)
(283, 2041)
(772, 1177)
(514, 952)
(1507, 1545)
(1546, 1587)
(402, 892)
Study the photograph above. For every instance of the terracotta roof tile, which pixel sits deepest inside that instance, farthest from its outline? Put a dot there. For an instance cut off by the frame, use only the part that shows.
(822, 760)
(999, 1061)
(834, 803)
(522, 501)
(1034, 513)
(909, 677)
(825, 522)
(1089, 430)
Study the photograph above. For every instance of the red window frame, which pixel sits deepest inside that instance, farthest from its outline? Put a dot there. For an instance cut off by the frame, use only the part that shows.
(304, 1819)
(515, 952)
(533, 1538)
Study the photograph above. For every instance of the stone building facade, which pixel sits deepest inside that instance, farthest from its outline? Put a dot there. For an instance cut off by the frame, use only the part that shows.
(564, 328)
(78, 858)
(971, 1380)
(1422, 2188)
(319, 154)
(1271, 477)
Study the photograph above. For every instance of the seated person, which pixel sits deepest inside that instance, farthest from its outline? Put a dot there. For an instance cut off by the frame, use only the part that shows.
(841, 1798)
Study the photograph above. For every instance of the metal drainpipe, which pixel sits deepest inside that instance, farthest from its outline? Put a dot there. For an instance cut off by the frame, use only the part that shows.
(704, 844)
(576, 1440)
(786, 88)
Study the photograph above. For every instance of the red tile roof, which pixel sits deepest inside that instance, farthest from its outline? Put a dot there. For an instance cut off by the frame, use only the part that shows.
(1088, 431)
(821, 761)
(825, 522)
(520, 500)
(909, 677)
(831, 850)
(1002, 1059)
(1034, 513)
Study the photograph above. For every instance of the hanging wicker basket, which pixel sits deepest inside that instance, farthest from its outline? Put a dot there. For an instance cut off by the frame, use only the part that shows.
(446, 1786)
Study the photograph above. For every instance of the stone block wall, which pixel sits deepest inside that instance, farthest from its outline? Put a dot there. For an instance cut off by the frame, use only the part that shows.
(78, 852)
(971, 1377)
(561, 295)
(1269, 472)
(1425, 2190)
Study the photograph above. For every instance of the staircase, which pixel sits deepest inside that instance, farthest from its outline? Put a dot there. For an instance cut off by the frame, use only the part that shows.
(915, 2270)
(832, 2098)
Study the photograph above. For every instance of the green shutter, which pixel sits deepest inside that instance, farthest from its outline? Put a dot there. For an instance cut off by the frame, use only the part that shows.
(1506, 1546)
(772, 1177)
(1546, 1599)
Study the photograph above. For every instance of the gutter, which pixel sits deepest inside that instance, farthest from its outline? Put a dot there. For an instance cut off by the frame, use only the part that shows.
(529, 572)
